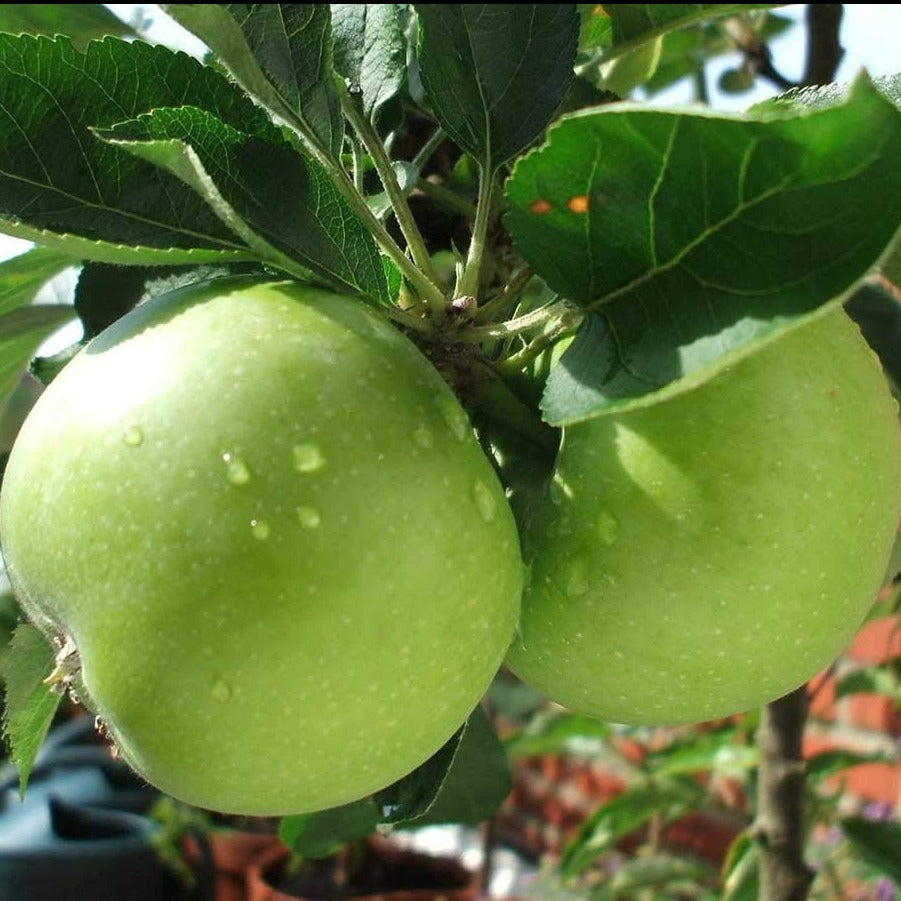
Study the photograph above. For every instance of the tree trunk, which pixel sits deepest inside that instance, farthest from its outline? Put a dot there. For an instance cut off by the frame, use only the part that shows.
(779, 827)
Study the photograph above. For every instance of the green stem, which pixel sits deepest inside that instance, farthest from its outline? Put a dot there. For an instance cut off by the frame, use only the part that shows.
(342, 181)
(449, 199)
(358, 163)
(517, 362)
(427, 149)
(468, 285)
(379, 156)
(475, 334)
(407, 319)
(506, 298)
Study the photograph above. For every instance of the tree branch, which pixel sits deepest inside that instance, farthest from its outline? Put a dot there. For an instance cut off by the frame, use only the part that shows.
(824, 50)
(779, 827)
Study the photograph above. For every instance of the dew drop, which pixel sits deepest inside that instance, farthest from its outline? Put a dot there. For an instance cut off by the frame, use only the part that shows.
(308, 457)
(309, 517)
(260, 529)
(221, 690)
(607, 527)
(236, 470)
(133, 436)
(455, 417)
(423, 437)
(485, 502)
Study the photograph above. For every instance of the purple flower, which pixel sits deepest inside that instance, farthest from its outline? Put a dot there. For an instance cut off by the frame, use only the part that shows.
(884, 889)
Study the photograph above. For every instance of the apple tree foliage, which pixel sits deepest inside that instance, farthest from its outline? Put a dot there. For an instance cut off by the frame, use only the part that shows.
(613, 254)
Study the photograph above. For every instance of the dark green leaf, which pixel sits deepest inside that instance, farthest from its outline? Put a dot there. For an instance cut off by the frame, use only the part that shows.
(82, 22)
(625, 813)
(478, 781)
(879, 843)
(370, 52)
(30, 703)
(104, 293)
(59, 184)
(828, 763)
(412, 796)
(282, 204)
(671, 258)
(21, 277)
(495, 73)
(315, 835)
(634, 23)
(280, 53)
(21, 333)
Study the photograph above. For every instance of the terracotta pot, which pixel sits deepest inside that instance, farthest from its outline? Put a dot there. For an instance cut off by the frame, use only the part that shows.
(461, 885)
(233, 852)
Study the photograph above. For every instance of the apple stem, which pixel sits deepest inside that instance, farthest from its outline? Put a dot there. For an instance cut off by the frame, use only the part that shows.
(779, 826)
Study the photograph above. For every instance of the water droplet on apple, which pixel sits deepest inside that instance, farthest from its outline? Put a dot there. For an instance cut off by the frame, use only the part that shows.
(236, 470)
(260, 529)
(308, 457)
(423, 437)
(133, 436)
(577, 578)
(454, 417)
(607, 527)
(221, 690)
(484, 499)
(561, 490)
(309, 517)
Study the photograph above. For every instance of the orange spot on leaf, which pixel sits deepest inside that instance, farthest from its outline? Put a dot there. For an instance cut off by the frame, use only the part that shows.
(540, 207)
(600, 11)
(578, 203)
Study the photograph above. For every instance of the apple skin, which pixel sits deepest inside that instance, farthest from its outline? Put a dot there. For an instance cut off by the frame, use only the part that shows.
(708, 554)
(263, 518)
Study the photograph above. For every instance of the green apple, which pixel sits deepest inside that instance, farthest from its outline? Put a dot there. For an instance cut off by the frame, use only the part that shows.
(708, 554)
(264, 521)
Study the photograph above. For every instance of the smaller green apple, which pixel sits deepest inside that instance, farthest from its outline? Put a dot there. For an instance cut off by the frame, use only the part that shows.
(710, 553)
(266, 524)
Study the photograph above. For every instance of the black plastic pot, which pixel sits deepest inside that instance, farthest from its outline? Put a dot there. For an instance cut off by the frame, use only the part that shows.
(79, 835)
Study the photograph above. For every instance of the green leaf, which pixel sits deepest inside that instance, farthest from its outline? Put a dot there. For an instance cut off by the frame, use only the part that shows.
(22, 276)
(625, 813)
(410, 797)
(478, 781)
(828, 763)
(280, 53)
(881, 680)
(877, 842)
(823, 96)
(557, 733)
(281, 204)
(370, 52)
(60, 185)
(81, 22)
(704, 752)
(657, 872)
(741, 872)
(30, 703)
(495, 73)
(316, 835)
(634, 23)
(670, 259)
(21, 333)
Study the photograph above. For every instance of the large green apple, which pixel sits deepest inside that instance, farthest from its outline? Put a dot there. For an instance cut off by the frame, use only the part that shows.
(265, 522)
(708, 554)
